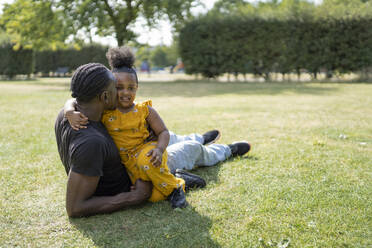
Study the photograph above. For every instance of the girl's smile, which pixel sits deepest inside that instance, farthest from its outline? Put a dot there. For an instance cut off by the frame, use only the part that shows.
(127, 89)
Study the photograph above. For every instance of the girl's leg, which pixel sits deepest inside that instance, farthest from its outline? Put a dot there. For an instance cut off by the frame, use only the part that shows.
(164, 183)
(174, 138)
(186, 155)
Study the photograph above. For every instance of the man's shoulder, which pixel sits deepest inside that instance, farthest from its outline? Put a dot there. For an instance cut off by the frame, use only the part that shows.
(89, 136)
(65, 133)
(60, 118)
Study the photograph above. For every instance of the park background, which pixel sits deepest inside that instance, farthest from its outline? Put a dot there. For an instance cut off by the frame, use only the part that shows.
(292, 77)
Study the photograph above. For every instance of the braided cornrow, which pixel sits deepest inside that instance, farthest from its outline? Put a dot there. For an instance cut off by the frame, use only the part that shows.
(88, 81)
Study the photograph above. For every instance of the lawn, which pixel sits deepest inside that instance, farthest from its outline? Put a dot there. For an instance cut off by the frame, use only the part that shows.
(306, 183)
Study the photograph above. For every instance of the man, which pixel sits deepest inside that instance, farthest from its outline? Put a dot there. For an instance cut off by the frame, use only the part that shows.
(97, 181)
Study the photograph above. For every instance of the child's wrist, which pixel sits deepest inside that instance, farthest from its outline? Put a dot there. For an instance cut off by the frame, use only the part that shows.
(161, 149)
(68, 113)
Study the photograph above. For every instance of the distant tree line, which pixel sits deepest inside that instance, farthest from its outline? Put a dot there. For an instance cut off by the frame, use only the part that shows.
(26, 61)
(50, 61)
(214, 45)
(63, 61)
(14, 62)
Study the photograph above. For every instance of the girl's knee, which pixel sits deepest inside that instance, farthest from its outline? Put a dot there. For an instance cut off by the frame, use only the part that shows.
(156, 196)
(143, 157)
(190, 147)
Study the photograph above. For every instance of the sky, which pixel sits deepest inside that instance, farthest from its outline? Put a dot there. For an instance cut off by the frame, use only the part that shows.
(162, 34)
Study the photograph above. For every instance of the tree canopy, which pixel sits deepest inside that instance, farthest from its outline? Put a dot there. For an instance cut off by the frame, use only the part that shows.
(118, 17)
(34, 24)
(299, 9)
(43, 24)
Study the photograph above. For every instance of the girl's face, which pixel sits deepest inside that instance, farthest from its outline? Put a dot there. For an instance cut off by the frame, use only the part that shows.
(127, 89)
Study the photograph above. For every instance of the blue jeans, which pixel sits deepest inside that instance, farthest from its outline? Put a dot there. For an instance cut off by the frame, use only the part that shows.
(187, 152)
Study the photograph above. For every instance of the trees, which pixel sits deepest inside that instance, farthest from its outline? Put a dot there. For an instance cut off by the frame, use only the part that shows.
(118, 17)
(34, 24)
(163, 56)
(344, 9)
(43, 24)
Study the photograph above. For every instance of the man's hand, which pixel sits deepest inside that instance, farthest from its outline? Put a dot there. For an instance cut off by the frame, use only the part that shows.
(156, 156)
(76, 119)
(142, 188)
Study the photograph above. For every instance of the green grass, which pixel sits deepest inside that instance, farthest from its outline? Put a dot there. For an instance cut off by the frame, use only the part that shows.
(307, 180)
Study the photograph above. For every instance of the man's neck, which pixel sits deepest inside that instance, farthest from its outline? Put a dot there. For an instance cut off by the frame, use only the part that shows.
(92, 110)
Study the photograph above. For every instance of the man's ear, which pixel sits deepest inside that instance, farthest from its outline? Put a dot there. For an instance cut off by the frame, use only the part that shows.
(104, 96)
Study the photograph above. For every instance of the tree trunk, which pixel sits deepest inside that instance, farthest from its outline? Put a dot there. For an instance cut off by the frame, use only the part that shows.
(266, 76)
(298, 74)
(315, 75)
(119, 37)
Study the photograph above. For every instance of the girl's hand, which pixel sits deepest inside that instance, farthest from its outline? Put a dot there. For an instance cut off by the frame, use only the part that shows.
(77, 120)
(157, 156)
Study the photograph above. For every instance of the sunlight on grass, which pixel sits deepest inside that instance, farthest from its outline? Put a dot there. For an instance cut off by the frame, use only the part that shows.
(306, 182)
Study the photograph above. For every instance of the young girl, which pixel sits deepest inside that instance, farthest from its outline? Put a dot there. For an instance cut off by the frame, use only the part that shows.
(128, 126)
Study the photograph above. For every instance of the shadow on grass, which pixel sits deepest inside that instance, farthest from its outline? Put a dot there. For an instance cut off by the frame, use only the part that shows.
(151, 225)
(154, 224)
(211, 173)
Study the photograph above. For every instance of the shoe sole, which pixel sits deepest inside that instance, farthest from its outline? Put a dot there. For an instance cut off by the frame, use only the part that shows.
(182, 206)
(215, 139)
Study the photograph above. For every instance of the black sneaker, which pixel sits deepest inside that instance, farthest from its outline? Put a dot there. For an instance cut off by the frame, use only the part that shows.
(191, 180)
(239, 148)
(211, 136)
(178, 198)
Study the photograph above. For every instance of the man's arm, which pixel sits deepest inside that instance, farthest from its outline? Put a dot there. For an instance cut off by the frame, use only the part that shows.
(81, 202)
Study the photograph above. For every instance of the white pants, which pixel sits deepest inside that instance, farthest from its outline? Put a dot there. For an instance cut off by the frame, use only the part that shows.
(187, 152)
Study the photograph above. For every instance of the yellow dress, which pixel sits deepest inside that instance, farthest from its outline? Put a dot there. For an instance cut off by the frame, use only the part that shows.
(129, 132)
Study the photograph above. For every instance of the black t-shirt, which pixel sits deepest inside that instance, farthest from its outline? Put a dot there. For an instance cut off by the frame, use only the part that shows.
(92, 152)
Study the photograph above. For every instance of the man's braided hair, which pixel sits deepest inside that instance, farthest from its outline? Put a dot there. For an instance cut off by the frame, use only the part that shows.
(88, 81)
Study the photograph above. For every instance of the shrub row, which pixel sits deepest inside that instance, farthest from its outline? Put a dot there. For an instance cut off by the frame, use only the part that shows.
(216, 45)
(51, 61)
(26, 62)
(15, 62)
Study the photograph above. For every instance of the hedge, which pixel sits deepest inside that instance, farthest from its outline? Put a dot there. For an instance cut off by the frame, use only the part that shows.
(216, 45)
(15, 62)
(51, 61)
(26, 62)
